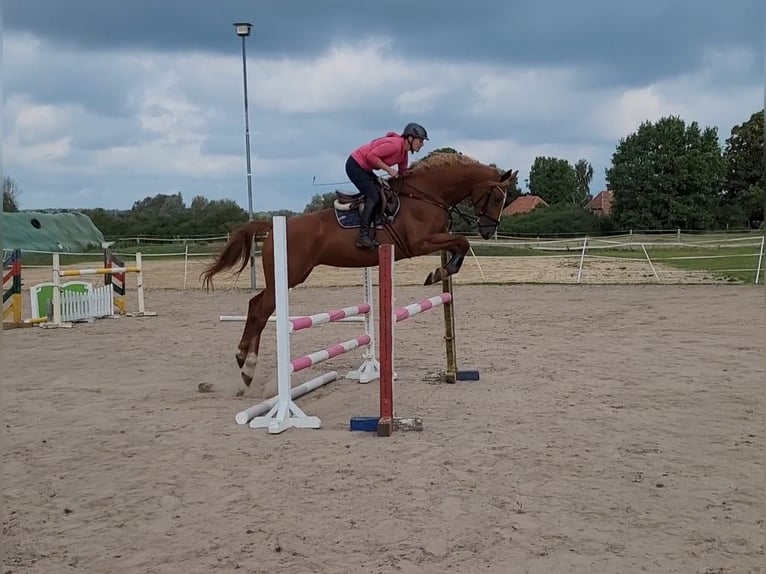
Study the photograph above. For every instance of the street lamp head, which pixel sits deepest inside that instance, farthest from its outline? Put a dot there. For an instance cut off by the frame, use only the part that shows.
(242, 28)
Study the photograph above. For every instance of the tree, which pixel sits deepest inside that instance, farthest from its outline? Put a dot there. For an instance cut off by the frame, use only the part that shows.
(742, 200)
(320, 201)
(667, 175)
(583, 175)
(554, 180)
(11, 192)
(161, 204)
(429, 154)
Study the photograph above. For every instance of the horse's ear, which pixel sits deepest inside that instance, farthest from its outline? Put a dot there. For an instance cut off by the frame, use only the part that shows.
(508, 174)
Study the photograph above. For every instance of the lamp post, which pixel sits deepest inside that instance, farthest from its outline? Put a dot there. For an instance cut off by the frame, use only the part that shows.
(243, 31)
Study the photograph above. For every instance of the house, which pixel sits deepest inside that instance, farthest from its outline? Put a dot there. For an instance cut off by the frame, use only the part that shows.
(523, 204)
(602, 203)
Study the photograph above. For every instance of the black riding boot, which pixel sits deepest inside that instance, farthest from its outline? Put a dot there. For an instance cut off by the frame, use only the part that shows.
(364, 240)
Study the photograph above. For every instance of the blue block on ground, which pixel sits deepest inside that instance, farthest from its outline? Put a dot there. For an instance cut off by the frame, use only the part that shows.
(369, 424)
(467, 375)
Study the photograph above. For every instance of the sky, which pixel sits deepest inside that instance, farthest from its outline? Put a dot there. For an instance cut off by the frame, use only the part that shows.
(106, 103)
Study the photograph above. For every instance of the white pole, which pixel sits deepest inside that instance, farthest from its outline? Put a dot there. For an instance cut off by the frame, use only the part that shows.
(244, 417)
(582, 258)
(369, 370)
(285, 413)
(186, 263)
(56, 290)
(139, 283)
(760, 259)
(56, 298)
(369, 323)
(142, 312)
(650, 262)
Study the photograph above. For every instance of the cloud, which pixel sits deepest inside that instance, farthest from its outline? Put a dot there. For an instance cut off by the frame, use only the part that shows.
(419, 100)
(721, 93)
(633, 42)
(109, 122)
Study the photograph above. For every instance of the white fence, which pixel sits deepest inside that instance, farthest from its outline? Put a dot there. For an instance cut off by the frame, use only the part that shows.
(94, 304)
(747, 259)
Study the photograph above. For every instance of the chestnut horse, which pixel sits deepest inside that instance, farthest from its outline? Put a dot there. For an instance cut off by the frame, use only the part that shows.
(425, 198)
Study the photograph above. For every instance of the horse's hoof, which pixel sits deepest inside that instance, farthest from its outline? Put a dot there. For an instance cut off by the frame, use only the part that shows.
(434, 277)
(240, 359)
(247, 379)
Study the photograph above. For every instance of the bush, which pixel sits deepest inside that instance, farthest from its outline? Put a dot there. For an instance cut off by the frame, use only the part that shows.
(555, 220)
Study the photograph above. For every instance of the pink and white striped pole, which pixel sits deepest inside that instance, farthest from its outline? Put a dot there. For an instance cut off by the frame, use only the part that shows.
(328, 353)
(308, 321)
(413, 309)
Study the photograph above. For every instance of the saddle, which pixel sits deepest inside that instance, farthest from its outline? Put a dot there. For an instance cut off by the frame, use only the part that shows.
(389, 202)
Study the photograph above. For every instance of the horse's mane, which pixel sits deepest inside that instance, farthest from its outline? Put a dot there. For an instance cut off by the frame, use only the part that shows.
(441, 159)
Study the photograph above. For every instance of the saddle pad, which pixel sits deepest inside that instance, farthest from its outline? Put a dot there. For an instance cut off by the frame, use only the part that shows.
(351, 219)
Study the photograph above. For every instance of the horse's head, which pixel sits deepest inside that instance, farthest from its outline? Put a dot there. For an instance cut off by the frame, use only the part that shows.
(447, 179)
(488, 199)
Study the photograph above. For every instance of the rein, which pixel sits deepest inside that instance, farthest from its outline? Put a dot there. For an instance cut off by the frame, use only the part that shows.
(453, 209)
(450, 209)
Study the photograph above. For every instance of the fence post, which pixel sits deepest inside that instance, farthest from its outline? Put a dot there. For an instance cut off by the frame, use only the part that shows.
(386, 340)
(450, 375)
(582, 258)
(186, 263)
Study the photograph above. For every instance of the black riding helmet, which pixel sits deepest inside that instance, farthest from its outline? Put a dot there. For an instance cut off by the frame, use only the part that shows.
(415, 130)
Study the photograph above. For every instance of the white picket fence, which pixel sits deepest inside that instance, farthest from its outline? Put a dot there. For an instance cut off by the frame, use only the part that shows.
(93, 304)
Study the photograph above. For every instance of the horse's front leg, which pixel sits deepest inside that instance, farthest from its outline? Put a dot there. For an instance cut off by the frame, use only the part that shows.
(456, 245)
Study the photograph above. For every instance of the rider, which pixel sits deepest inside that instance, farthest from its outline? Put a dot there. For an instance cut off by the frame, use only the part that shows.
(380, 153)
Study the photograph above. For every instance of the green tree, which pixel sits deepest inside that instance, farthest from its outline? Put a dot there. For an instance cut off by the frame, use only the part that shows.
(11, 192)
(583, 175)
(167, 216)
(162, 205)
(320, 201)
(667, 175)
(429, 154)
(742, 200)
(554, 180)
(206, 217)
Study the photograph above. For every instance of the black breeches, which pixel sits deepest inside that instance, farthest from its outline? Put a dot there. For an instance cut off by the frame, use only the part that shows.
(365, 181)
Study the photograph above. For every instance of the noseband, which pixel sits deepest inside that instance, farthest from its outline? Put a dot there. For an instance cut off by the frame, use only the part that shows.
(485, 205)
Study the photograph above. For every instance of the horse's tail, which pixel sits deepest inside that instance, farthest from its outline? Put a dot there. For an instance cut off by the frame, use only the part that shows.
(238, 248)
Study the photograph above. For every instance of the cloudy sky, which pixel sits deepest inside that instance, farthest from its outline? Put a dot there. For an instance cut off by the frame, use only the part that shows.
(107, 102)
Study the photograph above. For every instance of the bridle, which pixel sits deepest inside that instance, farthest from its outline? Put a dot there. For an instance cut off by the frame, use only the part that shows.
(450, 209)
(487, 196)
(453, 209)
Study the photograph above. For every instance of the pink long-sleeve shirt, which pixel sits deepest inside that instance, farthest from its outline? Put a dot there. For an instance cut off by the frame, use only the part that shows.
(391, 149)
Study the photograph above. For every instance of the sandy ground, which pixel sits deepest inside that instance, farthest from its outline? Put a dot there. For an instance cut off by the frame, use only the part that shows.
(614, 429)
